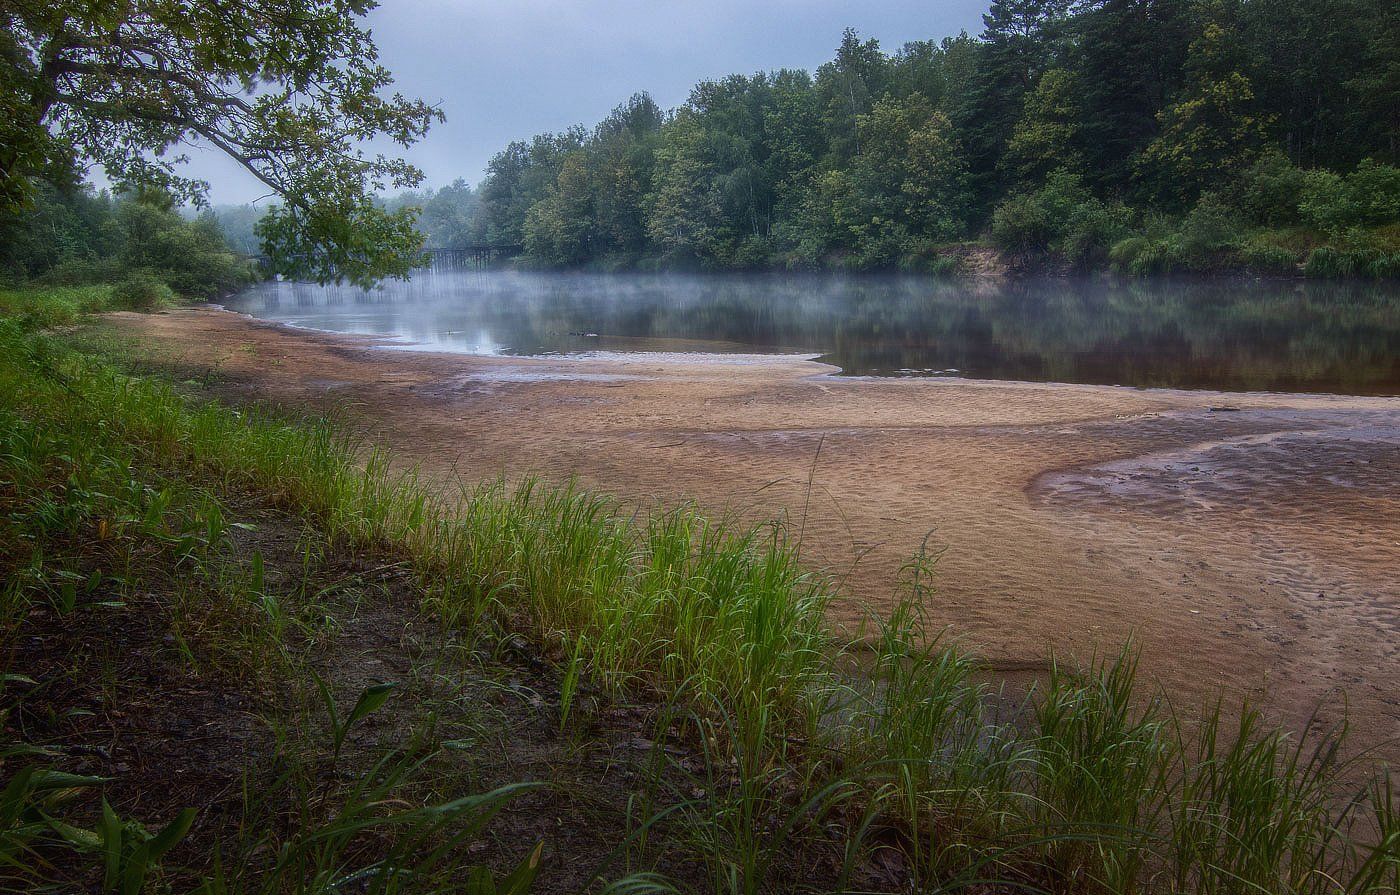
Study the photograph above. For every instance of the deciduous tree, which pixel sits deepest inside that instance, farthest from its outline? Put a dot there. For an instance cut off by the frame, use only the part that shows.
(290, 89)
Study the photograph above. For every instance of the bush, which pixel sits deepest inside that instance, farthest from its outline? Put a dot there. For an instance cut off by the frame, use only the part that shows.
(142, 290)
(1091, 228)
(1334, 262)
(1375, 193)
(83, 272)
(1268, 257)
(1268, 193)
(1023, 224)
(1385, 266)
(1211, 227)
(1369, 196)
(1126, 251)
(925, 258)
(1061, 218)
(1325, 203)
(48, 306)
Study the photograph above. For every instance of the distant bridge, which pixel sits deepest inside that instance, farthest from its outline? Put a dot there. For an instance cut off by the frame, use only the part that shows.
(471, 255)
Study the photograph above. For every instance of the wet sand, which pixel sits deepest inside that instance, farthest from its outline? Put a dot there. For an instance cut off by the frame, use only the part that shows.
(1249, 542)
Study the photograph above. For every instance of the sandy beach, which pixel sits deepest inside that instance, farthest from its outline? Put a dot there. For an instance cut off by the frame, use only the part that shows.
(1249, 542)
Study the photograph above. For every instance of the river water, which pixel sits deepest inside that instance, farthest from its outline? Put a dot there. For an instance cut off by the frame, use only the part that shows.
(1236, 335)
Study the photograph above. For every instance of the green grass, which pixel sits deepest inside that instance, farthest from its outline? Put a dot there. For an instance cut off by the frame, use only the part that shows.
(44, 307)
(1095, 785)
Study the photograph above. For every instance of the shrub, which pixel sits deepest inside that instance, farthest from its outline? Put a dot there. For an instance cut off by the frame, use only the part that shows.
(752, 253)
(1211, 227)
(1334, 261)
(929, 262)
(1375, 193)
(1269, 257)
(1325, 203)
(1385, 266)
(1326, 262)
(1061, 218)
(1022, 224)
(1157, 258)
(83, 272)
(1268, 193)
(1126, 251)
(1369, 196)
(142, 290)
(1091, 228)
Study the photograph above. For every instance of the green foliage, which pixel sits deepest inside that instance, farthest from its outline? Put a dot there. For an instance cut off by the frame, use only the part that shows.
(119, 86)
(1351, 260)
(340, 235)
(34, 817)
(876, 158)
(142, 290)
(1208, 237)
(1270, 190)
(1285, 108)
(1046, 137)
(75, 237)
(45, 307)
(1268, 257)
(1062, 218)
(1368, 196)
(1214, 130)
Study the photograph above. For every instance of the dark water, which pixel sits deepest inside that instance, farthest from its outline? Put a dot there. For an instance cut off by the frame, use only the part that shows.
(1238, 335)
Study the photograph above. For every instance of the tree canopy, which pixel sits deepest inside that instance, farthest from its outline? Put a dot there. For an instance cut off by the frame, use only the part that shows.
(1062, 128)
(290, 89)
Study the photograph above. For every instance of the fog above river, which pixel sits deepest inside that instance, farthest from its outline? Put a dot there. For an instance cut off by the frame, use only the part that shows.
(1230, 335)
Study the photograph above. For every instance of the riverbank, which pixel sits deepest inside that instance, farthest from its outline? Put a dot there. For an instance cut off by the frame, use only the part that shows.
(675, 683)
(1255, 534)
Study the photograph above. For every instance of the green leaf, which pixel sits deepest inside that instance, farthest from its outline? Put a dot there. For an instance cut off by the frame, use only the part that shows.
(479, 882)
(371, 699)
(173, 832)
(110, 829)
(136, 868)
(523, 877)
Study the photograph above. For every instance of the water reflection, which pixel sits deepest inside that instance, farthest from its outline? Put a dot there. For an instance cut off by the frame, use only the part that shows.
(1234, 335)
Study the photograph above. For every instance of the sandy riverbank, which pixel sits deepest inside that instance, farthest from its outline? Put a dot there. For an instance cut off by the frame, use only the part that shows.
(1246, 541)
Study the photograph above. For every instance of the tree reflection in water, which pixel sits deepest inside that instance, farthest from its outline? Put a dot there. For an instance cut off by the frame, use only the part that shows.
(1222, 334)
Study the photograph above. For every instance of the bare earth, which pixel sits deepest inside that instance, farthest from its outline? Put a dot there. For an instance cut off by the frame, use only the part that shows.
(1247, 541)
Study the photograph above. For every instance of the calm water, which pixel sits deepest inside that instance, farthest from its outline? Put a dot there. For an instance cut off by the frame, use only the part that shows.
(1322, 337)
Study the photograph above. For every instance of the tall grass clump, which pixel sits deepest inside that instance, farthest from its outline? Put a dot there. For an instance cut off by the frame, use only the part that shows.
(1101, 754)
(940, 767)
(1255, 809)
(678, 605)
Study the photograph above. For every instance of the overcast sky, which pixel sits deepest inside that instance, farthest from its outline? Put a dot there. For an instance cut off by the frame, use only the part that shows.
(507, 70)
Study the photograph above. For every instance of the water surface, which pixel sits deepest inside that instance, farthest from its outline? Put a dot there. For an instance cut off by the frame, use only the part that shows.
(1232, 335)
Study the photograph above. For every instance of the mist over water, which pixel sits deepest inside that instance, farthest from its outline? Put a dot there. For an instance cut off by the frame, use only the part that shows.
(1230, 335)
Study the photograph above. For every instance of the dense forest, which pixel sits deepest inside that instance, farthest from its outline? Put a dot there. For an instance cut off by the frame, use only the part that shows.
(1152, 134)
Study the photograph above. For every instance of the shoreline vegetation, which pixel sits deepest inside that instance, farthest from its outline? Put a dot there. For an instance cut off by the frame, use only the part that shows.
(248, 653)
(1245, 144)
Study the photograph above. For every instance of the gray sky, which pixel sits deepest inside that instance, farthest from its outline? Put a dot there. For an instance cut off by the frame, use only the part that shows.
(507, 70)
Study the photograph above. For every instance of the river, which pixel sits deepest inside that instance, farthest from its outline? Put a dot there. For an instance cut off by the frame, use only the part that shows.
(1233, 335)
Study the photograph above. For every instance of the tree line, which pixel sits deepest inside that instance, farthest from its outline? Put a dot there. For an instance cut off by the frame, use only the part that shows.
(1155, 134)
(136, 239)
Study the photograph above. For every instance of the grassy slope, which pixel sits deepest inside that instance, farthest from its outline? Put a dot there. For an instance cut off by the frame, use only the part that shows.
(751, 753)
